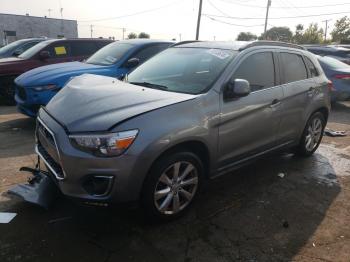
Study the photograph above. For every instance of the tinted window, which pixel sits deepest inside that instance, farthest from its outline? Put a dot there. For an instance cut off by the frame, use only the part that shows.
(149, 51)
(294, 67)
(183, 70)
(258, 69)
(34, 50)
(57, 50)
(83, 48)
(330, 62)
(311, 66)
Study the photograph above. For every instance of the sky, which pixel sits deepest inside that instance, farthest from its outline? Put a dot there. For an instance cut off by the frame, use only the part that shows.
(176, 19)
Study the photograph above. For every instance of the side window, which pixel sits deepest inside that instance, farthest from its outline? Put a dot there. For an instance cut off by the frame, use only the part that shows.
(258, 69)
(80, 48)
(149, 51)
(311, 67)
(58, 50)
(294, 67)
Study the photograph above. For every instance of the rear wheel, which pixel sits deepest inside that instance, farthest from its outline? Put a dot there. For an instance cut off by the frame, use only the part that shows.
(312, 135)
(171, 186)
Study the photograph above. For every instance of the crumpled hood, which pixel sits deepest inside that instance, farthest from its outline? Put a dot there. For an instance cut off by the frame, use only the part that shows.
(52, 74)
(96, 103)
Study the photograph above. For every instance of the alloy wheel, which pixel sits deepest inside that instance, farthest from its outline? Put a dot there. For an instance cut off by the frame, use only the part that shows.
(176, 187)
(314, 134)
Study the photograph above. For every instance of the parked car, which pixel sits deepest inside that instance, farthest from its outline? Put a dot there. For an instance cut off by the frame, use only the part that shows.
(18, 47)
(340, 53)
(47, 52)
(36, 87)
(339, 73)
(194, 111)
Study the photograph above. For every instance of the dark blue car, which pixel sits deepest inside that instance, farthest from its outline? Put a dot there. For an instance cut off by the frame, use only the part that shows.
(339, 73)
(36, 87)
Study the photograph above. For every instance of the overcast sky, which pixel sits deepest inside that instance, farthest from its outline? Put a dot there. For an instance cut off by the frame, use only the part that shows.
(168, 19)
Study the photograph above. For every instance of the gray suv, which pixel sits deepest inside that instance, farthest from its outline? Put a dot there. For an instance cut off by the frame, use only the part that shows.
(195, 111)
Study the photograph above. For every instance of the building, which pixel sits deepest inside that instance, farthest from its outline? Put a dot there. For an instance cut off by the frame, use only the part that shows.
(15, 27)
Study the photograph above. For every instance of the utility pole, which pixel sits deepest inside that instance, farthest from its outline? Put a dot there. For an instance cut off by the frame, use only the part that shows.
(49, 10)
(199, 18)
(325, 30)
(180, 37)
(124, 33)
(91, 26)
(267, 16)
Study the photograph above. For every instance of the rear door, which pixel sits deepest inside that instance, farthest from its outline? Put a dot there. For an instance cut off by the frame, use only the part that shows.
(249, 125)
(298, 87)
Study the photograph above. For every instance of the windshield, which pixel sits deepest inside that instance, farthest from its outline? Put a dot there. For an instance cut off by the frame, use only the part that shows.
(109, 54)
(184, 70)
(33, 50)
(11, 46)
(332, 62)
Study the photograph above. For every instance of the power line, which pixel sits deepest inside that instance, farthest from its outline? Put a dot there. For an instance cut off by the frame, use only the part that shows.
(283, 17)
(227, 23)
(132, 14)
(284, 7)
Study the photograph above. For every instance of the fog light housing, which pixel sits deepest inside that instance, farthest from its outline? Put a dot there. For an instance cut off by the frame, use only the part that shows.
(98, 185)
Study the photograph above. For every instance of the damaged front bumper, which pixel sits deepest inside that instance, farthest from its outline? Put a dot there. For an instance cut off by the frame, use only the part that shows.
(40, 190)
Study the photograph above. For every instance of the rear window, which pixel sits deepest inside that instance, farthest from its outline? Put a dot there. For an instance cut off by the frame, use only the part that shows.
(330, 62)
(83, 48)
(294, 67)
(312, 68)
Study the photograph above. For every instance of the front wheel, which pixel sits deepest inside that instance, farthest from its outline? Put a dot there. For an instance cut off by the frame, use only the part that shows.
(171, 186)
(312, 135)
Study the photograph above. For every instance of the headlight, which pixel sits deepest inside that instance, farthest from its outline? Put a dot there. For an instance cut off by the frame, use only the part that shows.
(112, 144)
(44, 88)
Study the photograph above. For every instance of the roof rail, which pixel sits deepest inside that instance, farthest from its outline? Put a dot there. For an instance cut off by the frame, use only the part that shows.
(271, 43)
(184, 42)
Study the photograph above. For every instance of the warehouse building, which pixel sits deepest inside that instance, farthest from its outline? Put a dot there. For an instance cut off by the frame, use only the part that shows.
(15, 27)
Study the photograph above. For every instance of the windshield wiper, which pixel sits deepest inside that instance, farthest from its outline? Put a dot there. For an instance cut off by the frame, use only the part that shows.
(150, 85)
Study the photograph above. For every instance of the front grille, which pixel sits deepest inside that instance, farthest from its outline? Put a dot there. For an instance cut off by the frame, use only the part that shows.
(21, 93)
(54, 167)
(46, 133)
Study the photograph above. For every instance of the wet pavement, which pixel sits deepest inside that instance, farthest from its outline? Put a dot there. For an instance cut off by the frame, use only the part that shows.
(281, 208)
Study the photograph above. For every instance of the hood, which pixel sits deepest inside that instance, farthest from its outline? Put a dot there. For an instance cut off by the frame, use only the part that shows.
(56, 73)
(91, 103)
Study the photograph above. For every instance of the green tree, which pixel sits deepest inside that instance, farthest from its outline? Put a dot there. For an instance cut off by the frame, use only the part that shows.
(132, 35)
(144, 35)
(298, 36)
(281, 33)
(341, 29)
(312, 35)
(246, 36)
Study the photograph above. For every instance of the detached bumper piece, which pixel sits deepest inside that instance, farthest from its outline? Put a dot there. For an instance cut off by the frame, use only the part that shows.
(40, 189)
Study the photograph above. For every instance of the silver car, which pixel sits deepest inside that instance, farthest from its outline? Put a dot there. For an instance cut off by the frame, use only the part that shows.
(195, 111)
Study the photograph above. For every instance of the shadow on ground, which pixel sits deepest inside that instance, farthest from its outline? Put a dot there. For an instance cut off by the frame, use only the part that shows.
(251, 215)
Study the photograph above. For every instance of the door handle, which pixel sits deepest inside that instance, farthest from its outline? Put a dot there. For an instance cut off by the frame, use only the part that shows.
(276, 102)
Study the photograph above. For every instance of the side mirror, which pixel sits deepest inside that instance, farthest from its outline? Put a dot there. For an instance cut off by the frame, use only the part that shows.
(17, 52)
(237, 88)
(44, 55)
(132, 62)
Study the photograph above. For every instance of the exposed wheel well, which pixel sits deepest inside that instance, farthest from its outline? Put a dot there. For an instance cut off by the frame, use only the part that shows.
(196, 147)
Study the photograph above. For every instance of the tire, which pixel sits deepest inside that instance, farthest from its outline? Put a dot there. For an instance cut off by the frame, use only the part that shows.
(7, 90)
(312, 135)
(162, 198)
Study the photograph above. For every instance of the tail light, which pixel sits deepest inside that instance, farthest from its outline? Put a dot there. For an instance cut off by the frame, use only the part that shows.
(342, 76)
(330, 86)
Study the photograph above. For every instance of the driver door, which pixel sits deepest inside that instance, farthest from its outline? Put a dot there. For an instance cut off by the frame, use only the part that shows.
(249, 124)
